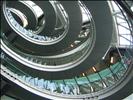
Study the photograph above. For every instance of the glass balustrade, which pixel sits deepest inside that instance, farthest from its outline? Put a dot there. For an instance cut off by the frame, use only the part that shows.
(75, 86)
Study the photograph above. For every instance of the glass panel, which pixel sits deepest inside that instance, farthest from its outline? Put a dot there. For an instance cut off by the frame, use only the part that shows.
(117, 69)
(121, 71)
(125, 24)
(125, 62)
(84, 85)
(119, 20)
(41, 83)
(53, 86)
(94, 77)
(74, 88)
(115, 7)
(97, 85)
(107, 77)
(96, 82)
(127, 54)
(120, 16)
(114, 66)
(59, 85)
(125, 41)
(123, 30)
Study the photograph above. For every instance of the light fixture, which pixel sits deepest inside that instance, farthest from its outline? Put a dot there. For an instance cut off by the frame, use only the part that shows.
(112, 60)
(132, 8)
(72, 45)
(104, 85)
(94, 69)
(92, 89)
(83, 74)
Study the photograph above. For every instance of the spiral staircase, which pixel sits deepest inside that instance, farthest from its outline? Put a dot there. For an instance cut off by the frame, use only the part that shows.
(66, 50)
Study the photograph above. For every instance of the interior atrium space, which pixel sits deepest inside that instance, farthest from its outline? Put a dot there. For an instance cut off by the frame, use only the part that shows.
(66, 50)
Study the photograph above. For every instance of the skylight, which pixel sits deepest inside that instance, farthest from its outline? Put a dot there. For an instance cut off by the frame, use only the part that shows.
(124, 30)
